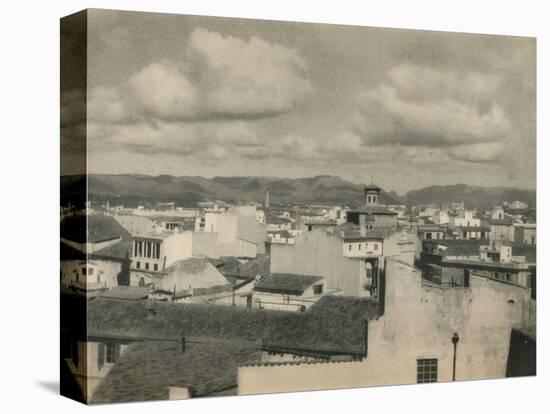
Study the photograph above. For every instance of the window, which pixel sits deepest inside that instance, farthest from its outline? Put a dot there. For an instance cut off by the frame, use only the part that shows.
(375, 246)
(426, 370)
(83, 271)
(100, 356)
(138, 265)
(90, 271)
(317, 289)
(146, 266)
(359, 246)
(156, 267)
(428, 236)
(349, 247)
(111, 352)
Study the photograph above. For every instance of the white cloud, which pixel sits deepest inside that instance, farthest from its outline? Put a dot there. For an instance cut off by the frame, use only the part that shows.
(247, 77)
(483, 152)
(219, 78)
(163, 91)
(429, 108)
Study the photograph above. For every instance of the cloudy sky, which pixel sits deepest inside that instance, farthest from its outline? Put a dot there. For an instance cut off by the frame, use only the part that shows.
(187, 95)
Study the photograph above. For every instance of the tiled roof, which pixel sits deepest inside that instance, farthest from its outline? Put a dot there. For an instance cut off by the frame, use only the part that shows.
(121, 250)
(506, 221)
(351, 231)
(259, 266)
(191, 274)
(527, 250)
(373, 210)
(117, 252)
(372, 187)
(278, 220)
(98, 228)
(126, 292)
(334, 322)
(147, 370)
(286, 283)
(472, 228)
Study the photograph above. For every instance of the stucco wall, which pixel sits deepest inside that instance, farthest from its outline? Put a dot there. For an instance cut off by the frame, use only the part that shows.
(418, 322)
(107, 272)
(317, 253)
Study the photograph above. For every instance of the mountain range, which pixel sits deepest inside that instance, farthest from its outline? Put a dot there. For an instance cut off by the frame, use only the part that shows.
(134, 189)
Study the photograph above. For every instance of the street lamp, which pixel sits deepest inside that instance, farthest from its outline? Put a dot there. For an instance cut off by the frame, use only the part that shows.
(455, 340)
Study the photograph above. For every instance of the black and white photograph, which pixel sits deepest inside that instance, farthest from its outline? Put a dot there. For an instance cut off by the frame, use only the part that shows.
(278, 207)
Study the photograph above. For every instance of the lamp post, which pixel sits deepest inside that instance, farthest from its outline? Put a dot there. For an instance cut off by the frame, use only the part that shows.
(455, 340)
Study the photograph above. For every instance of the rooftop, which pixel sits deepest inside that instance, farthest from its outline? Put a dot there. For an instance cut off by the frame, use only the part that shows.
(286, 283)
(372, 186)
(351, 231)
(188, 274)
(148, 369)
(506, 221)
(127, 293)
(334, 322)
(81, 228)
(230, 266)
(373, 210)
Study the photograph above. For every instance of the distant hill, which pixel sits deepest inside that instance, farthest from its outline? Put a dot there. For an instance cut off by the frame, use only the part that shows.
(473, 196)
(134, 189)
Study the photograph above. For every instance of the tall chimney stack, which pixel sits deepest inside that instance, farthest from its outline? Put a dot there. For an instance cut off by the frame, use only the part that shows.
(267, 198)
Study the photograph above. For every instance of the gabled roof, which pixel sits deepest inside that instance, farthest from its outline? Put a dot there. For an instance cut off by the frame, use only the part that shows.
(189, 274)
(286, 283)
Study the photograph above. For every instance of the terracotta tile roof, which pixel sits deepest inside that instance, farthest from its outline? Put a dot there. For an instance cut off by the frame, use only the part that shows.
(373, 210)
(472, 228)
(334, 322)
(147, 370)
(351, 231)
(372, 187)
(191, 274)
(127, 293)
(259, 266)
(506, 221)
(278, 220)
(97, 229)
(286, 283)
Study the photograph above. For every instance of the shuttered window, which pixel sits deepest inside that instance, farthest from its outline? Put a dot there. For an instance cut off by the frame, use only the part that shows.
(100, 356)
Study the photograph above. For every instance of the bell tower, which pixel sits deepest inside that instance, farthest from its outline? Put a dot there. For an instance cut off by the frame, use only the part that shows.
(372, 194)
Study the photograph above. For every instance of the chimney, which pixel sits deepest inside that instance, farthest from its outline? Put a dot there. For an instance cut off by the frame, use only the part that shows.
(363, 225)
(267, 198)
(183, 344)
(150, 307)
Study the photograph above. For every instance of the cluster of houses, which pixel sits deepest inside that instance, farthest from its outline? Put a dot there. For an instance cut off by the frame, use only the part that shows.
(241, 299)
